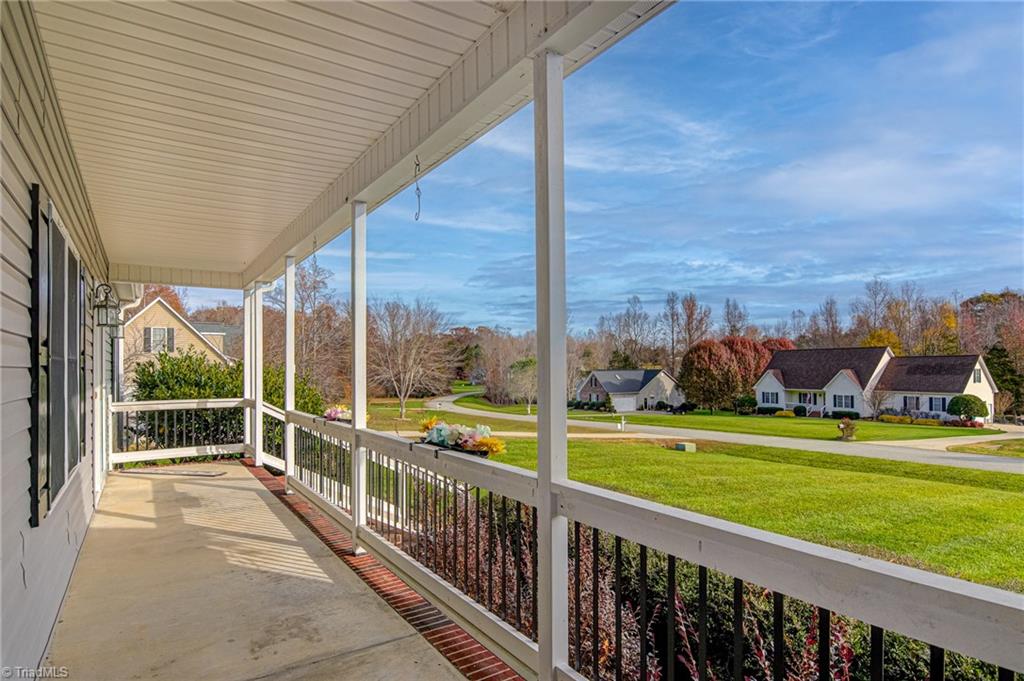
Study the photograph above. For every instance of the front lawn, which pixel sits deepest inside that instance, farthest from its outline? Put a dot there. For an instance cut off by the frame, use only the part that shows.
(384, 417)
(809, 428)
(1013, 448)
(961, 522)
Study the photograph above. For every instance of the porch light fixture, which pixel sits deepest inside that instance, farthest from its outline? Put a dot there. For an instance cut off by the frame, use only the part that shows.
(108, 310)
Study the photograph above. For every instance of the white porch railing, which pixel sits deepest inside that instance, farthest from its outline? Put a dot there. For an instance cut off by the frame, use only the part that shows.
(462, 531)
(175, 429)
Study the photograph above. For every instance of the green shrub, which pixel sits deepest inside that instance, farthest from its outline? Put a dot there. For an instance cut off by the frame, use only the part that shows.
(662, 405)
(745, 404)
(891, 418)
(967, 407)
(841, 414)
(800, 410)
(785, 413)
(608, 406)
(768, 410)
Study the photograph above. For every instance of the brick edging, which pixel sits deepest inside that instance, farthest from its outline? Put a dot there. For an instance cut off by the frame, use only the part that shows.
(464, 652)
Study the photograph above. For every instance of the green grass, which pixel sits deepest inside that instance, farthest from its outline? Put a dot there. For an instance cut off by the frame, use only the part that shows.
(1013, 448)
(464, 387)
(806, 428)
(384, 417)
(960, 522)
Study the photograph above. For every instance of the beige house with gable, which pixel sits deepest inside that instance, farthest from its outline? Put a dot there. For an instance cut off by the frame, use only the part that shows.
(157, 328)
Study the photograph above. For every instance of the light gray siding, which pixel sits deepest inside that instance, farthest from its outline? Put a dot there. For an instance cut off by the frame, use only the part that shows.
(37, 562)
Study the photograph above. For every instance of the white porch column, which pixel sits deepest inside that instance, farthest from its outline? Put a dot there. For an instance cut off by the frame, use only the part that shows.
(257, 372)
(289, 365)
(247, 360)
(553, 550)
(358, 367)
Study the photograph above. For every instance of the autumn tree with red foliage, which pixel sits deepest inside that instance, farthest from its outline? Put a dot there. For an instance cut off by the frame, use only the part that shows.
(777, 343)
(709, 374)
(175, 297)
(750, 358)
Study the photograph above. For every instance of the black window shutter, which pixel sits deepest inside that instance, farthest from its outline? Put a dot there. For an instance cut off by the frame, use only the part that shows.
(39, 397)
(170, 339)
(147, 339)
(74, 377)
(58, 360)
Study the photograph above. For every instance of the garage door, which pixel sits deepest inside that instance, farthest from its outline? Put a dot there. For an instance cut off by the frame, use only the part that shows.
(624, 403)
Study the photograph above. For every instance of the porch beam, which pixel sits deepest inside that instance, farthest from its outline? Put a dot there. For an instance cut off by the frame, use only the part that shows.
(358, 306)
(174, 276)
(552, 469)
(289, 365)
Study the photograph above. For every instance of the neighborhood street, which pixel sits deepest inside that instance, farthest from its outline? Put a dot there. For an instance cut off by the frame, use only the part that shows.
(913, 451)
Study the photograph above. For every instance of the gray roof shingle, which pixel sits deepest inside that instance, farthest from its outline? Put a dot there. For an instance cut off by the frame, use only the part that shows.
(935, 374)
(625, 380)
(812, 369)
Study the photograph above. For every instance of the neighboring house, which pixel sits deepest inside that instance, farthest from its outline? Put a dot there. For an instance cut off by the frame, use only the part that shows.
(868, 379)
(227, 337)
(631, 389)
(157, 328)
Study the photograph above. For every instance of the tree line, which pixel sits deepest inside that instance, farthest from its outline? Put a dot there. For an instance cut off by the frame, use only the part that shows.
(414, 349)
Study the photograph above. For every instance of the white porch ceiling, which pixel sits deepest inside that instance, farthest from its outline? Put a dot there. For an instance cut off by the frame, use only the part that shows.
(209, 132)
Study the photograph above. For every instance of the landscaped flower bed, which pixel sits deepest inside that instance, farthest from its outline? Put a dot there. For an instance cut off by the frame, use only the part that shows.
(461, 438)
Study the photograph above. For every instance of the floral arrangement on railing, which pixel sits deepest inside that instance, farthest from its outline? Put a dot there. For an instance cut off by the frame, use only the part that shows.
(340, 412)
(463, 438)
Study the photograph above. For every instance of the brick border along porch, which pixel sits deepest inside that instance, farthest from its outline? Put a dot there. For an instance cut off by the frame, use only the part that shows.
(466, 654)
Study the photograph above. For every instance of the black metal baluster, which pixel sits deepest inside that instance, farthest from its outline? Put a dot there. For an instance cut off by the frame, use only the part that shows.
(444, 529)
(504, 557)
(517, 555)
(737, 629)
(465, 537)
(877, 653)
(936, 664)
(778, 637)
(476, 590)
(670, 621)
(702, 623)
(175, 421)
(533, 571)
(490, 551)
(434, 521)
(643, 613)
(824, 644)
(594, 588)
(618, 608)
(576, 595)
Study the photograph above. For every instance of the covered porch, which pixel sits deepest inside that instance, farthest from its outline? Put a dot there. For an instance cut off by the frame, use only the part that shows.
(233, 141)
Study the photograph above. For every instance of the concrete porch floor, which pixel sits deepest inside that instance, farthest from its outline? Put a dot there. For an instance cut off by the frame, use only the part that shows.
(189, 577)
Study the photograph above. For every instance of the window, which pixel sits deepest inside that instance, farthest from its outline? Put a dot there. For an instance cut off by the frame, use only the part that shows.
(842, 401)
(911, 403)
(977, 375)
(158, 339)
(936, 404)
(807, 398)
(769, 398)
(58, 341)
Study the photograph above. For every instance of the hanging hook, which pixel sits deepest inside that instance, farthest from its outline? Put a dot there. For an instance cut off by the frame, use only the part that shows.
(419, 194)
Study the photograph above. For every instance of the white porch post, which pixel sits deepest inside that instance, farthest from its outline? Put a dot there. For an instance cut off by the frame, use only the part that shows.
(247, 361)
(358, 368)
(553, 550)
(257, 372)
(289, 365)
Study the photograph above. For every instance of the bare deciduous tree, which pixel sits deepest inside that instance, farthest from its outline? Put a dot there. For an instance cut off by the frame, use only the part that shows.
(671, 321)
(696, 321)
(735, 318)
(407, 352)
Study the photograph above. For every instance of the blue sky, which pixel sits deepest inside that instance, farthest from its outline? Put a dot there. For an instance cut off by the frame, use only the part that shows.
(772, 152)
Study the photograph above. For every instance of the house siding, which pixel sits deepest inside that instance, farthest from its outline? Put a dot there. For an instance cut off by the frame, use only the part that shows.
(844, 385)
(586, 389)
(660, 389)
(37, 561)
